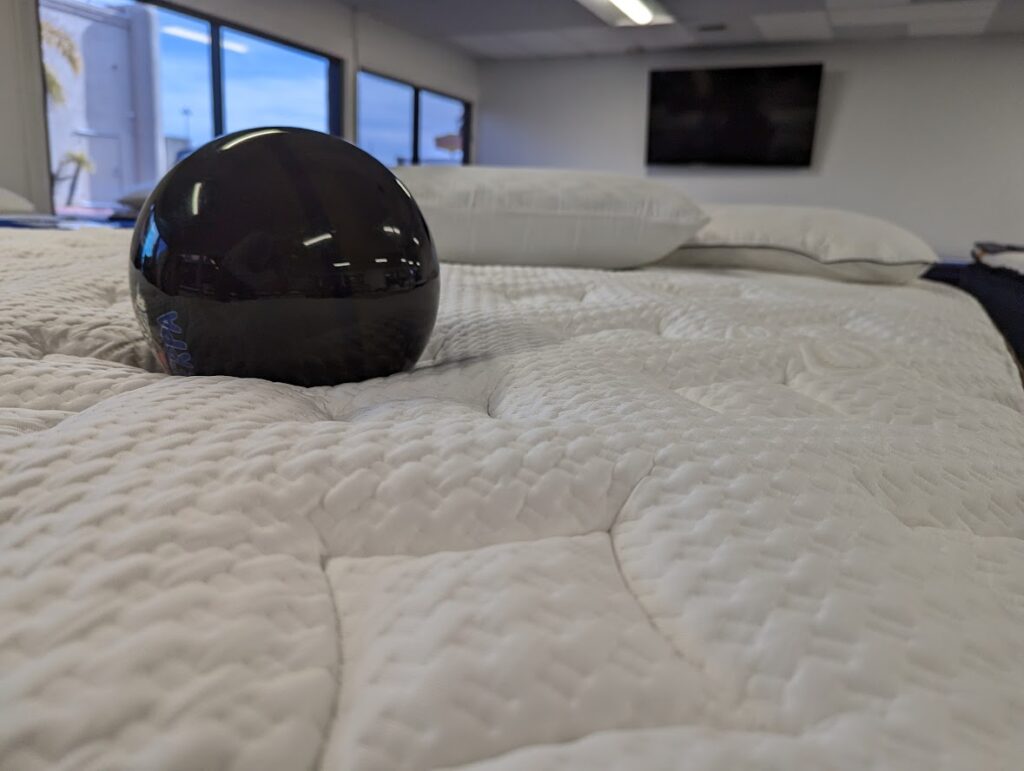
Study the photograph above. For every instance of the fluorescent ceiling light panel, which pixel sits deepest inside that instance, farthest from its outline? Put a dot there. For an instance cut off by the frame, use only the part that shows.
(628, 13)
(634, 10)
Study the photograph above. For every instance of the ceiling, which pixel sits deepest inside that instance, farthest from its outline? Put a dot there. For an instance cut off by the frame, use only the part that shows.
(503, 29)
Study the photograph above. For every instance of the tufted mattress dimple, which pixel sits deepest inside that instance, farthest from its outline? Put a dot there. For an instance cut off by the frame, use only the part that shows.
(658, 519)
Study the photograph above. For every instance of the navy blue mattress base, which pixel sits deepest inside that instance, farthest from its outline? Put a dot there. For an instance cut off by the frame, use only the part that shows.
(1000, 291)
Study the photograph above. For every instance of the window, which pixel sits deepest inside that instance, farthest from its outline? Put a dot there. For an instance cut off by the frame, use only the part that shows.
(402, 124)
(133, 87)
(385, 116)
(442, 128)
(186, 84)
(268, 84)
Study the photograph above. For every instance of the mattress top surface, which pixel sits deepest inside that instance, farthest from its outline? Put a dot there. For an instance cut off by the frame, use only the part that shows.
(655, 519)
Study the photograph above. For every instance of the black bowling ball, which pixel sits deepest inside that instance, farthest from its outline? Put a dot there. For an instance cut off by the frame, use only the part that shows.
(283, 254)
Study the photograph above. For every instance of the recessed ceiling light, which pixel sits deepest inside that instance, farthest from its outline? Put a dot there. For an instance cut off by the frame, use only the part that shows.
(635, 10)
(628, 13)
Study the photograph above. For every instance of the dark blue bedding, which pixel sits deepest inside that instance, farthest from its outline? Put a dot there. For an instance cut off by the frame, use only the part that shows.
(999, 290)
(50, 222)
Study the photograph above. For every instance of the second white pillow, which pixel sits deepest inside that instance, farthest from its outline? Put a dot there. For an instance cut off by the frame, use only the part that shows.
(581, 219)
(832, 243)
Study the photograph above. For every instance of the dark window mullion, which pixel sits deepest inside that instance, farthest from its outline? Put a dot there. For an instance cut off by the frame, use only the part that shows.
(217, 74)
(416, 127)
(467, 131)
(335, 97)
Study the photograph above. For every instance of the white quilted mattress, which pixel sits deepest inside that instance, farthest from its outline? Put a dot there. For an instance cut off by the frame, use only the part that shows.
(647, 520)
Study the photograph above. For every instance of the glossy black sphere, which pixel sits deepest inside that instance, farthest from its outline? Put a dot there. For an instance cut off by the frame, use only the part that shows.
(284, 254)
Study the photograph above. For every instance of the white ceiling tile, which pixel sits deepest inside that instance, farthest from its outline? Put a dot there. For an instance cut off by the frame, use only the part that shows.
(491, 46)
(492, 28)
(944, 27)
(872, 32)
(669, 36)
(799, 26)
(457, 18)
(950, 10)
(844, 4)
(544, 42)
(1009, 17)
(738, 31)
(593, 38)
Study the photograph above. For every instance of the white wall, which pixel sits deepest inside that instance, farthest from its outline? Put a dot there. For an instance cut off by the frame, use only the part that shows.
(928, 133)
(23, 153)
(325, 25)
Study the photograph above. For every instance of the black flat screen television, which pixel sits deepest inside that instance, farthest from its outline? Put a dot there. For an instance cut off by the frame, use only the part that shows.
(741, 116)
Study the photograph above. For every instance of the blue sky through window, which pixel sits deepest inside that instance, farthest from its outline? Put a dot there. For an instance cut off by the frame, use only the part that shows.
(264, 83)
(441, 120)
(267, 84)
(384, 118)
(185, 82)
(384, 122)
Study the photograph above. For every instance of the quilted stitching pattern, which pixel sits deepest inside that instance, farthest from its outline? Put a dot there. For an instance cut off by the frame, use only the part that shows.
(612, 520)
(570, 644)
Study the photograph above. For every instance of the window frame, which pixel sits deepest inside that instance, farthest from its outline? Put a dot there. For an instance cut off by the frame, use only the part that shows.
(467, 106)
(335, 65)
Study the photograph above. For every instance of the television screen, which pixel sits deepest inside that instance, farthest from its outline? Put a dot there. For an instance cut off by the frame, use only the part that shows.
(743, 116)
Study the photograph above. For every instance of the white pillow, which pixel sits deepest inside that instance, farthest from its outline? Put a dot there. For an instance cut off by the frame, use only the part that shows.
(12, 203)
(512, 216)
(1007, 260)
(137, 196)
(821, 242)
